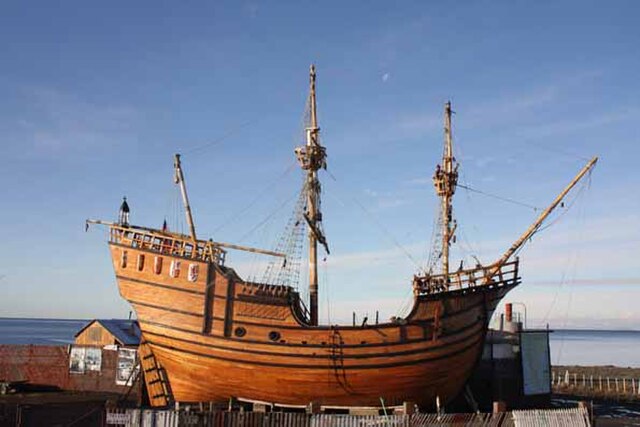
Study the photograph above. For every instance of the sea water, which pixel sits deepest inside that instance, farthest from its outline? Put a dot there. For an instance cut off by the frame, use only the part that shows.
(595, 347)
(39, 331)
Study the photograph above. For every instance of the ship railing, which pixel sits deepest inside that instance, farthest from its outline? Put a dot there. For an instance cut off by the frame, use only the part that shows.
(167, 243)
(304, 312)
(505, 275)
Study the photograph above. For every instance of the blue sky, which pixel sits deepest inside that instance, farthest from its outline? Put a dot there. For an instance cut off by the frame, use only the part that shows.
(96, 99)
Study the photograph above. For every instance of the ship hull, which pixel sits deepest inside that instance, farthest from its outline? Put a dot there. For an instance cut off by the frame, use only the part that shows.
(218, 337)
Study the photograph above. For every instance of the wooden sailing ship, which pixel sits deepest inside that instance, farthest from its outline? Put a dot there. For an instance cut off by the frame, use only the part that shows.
(209, 335)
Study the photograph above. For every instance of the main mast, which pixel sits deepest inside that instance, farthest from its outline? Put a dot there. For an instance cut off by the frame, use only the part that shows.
(312, 157)
(445, 180)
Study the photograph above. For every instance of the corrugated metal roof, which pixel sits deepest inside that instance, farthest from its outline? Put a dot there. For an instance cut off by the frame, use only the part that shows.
(126, 331)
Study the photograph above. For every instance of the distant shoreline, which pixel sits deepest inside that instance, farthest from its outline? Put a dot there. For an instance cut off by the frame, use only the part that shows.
(600, 370)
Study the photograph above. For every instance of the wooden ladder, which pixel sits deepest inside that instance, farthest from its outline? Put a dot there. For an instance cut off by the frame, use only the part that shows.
(155, 377)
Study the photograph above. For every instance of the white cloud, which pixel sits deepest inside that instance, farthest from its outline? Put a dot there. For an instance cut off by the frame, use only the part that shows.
(61, 122)
(581, 124)
(420, 181)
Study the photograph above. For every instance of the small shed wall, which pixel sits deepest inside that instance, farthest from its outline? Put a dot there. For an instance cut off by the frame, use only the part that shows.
(95, 335)
(49, 365)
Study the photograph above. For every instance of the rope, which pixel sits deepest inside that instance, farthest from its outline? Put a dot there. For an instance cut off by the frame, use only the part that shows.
(222, 138)
(504, 199)
(540, 228)
(264, 192)
(554, 149)
(575, 256)
(435, 242)
(290, 243)
(576, 198)
(382, 228)
(269, 217)
(327, 290)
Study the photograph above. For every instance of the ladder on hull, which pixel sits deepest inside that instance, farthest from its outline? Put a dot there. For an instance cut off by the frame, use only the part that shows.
(155, 377)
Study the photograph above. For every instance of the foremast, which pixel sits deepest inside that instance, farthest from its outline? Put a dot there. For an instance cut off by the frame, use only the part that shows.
(445, 180)
(503, 271)
(312, 156)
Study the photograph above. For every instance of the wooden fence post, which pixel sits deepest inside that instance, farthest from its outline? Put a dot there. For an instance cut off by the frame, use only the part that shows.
(600, 381)
(591, 381)
(575, 380)
(608, 384)
(616, 384)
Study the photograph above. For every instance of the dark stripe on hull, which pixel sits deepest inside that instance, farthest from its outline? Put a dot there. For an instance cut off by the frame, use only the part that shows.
(159, 285)
(313, 356)
(475, 341)
(172, 310)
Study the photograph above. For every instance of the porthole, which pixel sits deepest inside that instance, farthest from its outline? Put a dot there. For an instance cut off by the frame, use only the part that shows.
(240, 331)
(274, 335)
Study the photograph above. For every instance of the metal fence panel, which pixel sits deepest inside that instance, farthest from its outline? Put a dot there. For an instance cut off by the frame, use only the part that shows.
(170, 418)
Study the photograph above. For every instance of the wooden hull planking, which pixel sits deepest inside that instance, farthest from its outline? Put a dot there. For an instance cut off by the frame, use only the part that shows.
(218, 337)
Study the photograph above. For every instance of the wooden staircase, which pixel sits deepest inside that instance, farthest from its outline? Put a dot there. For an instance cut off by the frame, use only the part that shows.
(155, 377)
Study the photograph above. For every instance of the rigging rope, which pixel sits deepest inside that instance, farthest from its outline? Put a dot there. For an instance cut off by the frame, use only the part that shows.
(327, 289)
(554, 149)
(287, 272)
(382, 228)
(435, 253)
(264, 221)
(504, 199)
(579, 197)
(540, 228)
(263, 193)
(221, 139)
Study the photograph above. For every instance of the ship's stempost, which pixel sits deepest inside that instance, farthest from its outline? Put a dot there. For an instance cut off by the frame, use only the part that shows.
(179, 179)
(445, 180)
(312, 157)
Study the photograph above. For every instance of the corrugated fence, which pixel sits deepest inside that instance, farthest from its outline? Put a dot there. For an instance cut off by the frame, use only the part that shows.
(167, 418)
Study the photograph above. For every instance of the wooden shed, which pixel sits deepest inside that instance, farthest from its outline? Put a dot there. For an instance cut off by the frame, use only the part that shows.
(103, 332)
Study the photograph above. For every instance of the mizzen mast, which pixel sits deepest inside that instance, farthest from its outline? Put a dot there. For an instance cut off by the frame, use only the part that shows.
(445, 180)
(312, 156)
(179, 179)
